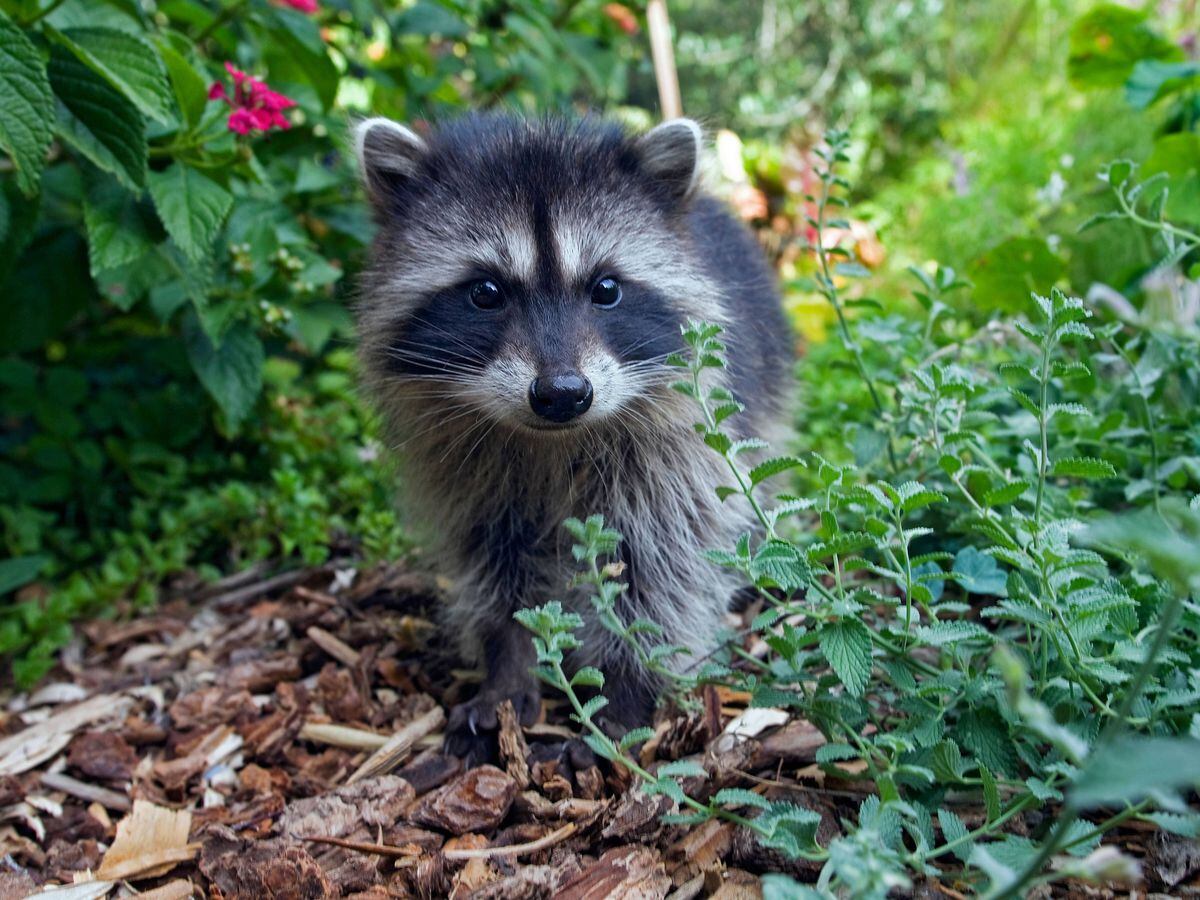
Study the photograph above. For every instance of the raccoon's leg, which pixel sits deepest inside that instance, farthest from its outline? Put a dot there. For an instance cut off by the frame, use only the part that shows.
(471, 731)
(502, 579)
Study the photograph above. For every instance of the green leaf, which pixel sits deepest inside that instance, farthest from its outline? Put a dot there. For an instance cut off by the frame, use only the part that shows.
(1006, 274)
(116, 230)
(681, 768)
(740, 797)
(232, 372)
(635, 736)
(1007, 493)
(953, 829)
(97, 120)
(127, 61)
(1160, 764)
(588, 676)
(991, 793)
(1107, 42)
(774, 466)
(593, 706)
(846, 643)
(299, 39)
(1083, 467)
(192, 208)
(782, 564)
(26, 106)
(978, 573)
(1151, 80)
(188, 85)
(19, 571)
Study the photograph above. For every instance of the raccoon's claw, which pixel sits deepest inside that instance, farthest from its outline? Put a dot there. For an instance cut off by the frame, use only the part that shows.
(471, 730)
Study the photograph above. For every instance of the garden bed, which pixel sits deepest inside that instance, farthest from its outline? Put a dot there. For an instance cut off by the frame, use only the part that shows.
(278, 735)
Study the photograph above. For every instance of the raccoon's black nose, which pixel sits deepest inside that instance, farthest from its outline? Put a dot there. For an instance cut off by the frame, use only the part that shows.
(560, 398)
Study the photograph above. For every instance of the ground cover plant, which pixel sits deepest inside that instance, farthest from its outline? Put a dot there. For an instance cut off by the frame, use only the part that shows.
(970, 659)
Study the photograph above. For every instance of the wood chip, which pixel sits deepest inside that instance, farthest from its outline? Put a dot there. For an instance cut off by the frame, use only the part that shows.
(477, 800)
(27, 749)
(57, 781)
(335, 647)
(623, 873)
(397, 748)
(513, 748)
(342, 736)
(150, 841)
(179, 889)
(374, 803)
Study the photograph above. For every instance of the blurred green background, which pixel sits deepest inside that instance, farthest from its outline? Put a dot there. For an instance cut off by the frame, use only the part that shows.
(176, 367)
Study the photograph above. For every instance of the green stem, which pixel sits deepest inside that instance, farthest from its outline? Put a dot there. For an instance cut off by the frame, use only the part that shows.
(41, 14)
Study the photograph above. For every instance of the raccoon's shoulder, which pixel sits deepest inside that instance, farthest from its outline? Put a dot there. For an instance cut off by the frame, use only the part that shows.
(759, 337)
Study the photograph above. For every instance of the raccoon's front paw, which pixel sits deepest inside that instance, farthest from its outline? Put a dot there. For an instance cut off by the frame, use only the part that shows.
(473, 727)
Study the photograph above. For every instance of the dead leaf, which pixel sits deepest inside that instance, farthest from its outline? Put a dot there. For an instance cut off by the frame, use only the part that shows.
(150, 841)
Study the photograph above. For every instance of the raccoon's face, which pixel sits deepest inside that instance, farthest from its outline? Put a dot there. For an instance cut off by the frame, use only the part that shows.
(536, 274)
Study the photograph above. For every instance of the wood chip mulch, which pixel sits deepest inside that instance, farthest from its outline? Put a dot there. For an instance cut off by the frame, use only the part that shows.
(279, 736)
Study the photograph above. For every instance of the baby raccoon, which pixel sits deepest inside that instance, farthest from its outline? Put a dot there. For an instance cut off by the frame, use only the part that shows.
(528, 281)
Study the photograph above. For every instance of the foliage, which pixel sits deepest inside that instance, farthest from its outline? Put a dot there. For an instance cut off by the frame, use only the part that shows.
(176, 230)
(945, 595)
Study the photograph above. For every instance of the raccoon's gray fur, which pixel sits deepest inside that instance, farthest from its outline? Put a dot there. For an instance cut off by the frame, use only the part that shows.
(502, 245)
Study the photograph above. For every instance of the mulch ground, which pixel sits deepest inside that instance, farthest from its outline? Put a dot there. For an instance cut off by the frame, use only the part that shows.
(280, 737)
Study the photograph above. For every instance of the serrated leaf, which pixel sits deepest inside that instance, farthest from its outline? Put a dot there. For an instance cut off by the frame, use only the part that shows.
(232, 372)
(774, 466)
(192, 207)
(953, 829)
(96, 119)
(26, 106)
(681, 768)
(846, 644)
(991, 793)
(635, 736)
(117, 233)
(127, 61)
(593, 706)
(188, 85)
(782, 564)
(740, 797)
(588, 676)
(1007, 493)
(1083, 467)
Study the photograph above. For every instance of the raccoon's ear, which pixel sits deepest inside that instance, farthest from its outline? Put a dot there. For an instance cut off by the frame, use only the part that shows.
(671, 154)
(388, 154)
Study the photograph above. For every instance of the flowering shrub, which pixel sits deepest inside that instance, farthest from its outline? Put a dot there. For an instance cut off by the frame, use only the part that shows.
(255, 106)
(178, 217)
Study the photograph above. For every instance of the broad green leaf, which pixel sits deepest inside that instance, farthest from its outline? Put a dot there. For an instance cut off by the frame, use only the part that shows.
(1006, 274)
(1152, 79)
(116, 230)
(127, 61)
(97, 120)
(953, 829)
(991, 793)
(978, 573)
(782, 564)
(19, 571)
(1131, 768)
(231, 372)
(26, 106)
(846, 643)
(1107, 42)
(188, 85)
(192, 207)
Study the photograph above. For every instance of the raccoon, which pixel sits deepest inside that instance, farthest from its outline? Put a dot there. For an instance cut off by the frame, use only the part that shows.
(527, 283)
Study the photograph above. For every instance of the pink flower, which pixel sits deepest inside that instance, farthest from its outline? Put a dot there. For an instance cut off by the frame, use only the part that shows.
(255, 107)
(305, 6)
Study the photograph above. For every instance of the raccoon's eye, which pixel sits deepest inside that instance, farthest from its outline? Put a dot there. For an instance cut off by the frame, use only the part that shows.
(486, 294)
(606, 293)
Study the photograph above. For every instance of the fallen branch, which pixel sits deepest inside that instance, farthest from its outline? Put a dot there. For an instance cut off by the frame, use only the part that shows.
(399, 745)
(546, 840)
